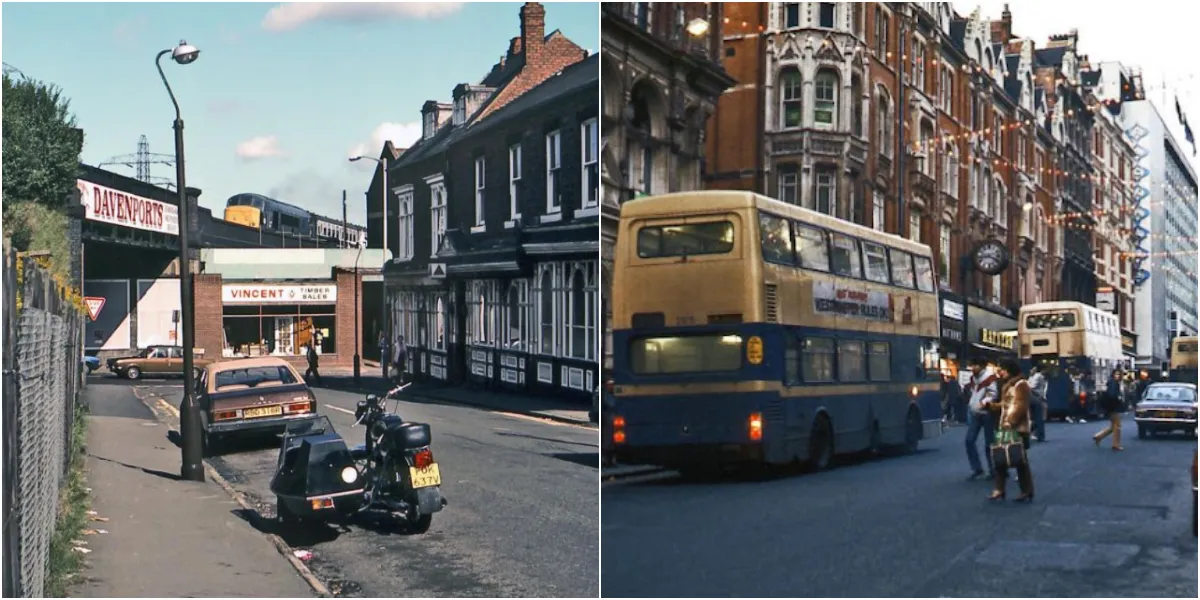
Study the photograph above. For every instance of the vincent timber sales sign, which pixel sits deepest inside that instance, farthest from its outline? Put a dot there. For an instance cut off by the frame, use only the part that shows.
(115, 207)
(830, 299)
(268, 293)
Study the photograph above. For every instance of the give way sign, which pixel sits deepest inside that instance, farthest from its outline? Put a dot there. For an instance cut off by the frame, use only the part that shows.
(94, 304)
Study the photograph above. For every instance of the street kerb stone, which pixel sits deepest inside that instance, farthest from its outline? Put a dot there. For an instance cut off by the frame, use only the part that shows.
(170, 415)
(1068, 556)
(1071, 513)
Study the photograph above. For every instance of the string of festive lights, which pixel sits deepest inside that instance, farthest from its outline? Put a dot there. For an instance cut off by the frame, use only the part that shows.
(1155, 254)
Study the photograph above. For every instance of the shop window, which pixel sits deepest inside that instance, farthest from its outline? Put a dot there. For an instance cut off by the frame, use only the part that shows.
(546, 312)
(279, 330)
(579, 319)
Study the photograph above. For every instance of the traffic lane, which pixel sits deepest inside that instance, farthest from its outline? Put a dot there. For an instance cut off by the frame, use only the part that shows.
(906, 526)
(522, 518)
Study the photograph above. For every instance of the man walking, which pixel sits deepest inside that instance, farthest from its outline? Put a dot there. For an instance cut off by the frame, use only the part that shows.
(1037, 402)
(983, 391)
(313, 359)
(399, 359)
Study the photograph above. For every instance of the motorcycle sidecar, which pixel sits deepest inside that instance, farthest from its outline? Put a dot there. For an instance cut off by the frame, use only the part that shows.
(315, 477)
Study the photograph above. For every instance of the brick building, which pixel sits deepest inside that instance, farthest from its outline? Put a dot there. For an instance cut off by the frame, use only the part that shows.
(495, 280)
(662, 77)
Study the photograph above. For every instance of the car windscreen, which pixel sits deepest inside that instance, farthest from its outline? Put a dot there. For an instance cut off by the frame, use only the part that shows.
(1172, 393)
(254, 377)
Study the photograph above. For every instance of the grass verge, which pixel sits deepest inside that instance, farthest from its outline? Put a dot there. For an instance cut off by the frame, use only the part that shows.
(72, 516)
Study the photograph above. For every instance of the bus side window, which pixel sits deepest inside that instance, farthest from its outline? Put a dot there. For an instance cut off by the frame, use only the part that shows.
(812, 247)
(776, 233)
(791, 360)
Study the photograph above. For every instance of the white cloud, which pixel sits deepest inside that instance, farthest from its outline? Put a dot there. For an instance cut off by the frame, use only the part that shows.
(264, 146)
(292, 15)
(402, 135)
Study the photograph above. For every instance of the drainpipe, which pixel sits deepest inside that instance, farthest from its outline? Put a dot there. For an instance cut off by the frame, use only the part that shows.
(761, 125)
(900, 145)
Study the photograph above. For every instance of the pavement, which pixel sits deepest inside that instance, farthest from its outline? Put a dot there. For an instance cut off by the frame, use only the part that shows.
(522, 518)
(1103, 524)
(156, 536)
(371, 381)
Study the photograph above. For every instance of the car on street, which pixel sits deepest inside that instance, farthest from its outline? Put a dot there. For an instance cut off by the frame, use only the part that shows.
(1166, 407)
(250, 396)
(91, 363)
(153, 360)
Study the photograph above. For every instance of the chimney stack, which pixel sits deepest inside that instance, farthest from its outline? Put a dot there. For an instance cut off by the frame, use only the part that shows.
(533, 31)
(1002, 29)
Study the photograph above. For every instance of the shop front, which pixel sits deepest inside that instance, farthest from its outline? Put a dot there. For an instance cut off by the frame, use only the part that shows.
(279, 319)
(953, 311)
(991, 335)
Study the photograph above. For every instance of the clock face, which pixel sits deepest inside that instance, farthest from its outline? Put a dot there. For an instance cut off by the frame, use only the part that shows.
(991, 257)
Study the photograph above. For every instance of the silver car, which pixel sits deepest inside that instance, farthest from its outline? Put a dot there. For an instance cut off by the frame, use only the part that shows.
(1166, 407)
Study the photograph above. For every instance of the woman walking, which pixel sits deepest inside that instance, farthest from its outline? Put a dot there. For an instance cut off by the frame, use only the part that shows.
(1111, 403)
(1014, 417)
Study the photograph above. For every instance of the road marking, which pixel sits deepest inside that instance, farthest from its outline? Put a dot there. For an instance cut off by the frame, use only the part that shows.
(167, 405)
(340, 409)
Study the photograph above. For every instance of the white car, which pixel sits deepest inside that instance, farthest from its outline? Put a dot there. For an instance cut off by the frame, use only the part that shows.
(1166, 407)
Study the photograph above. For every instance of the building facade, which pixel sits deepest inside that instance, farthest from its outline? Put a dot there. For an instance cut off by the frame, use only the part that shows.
(662, 77)
(495, 281)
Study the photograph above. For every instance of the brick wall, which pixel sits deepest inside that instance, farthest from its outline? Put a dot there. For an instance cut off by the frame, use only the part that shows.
(206, 294)
(346, 323)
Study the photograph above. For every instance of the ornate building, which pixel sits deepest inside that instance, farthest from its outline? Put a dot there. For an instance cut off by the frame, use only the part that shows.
(662, 77)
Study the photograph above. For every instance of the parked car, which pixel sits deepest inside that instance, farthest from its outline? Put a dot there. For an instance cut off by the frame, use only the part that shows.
(154, 360)
(250, 396)
(91, 363)
(1165, 407)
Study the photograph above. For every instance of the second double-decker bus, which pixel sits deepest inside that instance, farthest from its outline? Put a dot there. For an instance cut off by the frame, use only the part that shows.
(748, 329)
(1183, 359)
(1069, 341)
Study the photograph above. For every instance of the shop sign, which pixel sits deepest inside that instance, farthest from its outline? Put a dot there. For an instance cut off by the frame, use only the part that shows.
(996, 339)
(1128, 343)
(952, 333)
(115, 207)
(953, 310)
(266, 293)
(829, 299)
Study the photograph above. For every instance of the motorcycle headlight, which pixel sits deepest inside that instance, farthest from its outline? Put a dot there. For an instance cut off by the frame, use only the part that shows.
(349, 474)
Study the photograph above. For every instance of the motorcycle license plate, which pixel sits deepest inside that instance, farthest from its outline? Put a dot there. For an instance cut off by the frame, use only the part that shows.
(422, 478)
(265, 411)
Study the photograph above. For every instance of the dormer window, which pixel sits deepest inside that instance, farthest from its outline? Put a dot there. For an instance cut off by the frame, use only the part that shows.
(430, 125)
(460, 110)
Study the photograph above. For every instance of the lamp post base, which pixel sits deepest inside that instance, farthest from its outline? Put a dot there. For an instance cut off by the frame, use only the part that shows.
(357, 370)
(192, 434)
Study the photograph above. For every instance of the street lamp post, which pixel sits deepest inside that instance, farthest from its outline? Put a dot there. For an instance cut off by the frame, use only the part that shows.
(383, 208)
(192, 468)
(357, 284)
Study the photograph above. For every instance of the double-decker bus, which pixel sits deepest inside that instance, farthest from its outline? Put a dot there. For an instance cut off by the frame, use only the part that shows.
(1183, 359)
(1070, 340)
(750, 330)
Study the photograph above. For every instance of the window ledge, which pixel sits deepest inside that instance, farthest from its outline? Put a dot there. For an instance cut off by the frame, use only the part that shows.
(586, 212)
(479, 228)
(511, 223)
(550, 218)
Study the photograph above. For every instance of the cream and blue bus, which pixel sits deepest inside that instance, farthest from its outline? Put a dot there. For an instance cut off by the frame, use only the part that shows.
(1183, 359)
(751, 330)
(1070, 340)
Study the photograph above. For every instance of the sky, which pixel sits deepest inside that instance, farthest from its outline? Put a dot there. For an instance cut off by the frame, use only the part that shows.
(1159, 37)
(281, 95)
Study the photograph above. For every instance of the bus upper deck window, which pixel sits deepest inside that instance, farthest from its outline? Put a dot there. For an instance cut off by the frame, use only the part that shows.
(845, 257)
(813, 249)
(877, 267)
(902, 268)
(776, 236)
(685, 240)
(924, 272)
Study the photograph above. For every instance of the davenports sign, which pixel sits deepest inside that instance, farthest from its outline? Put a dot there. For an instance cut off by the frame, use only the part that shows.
(267, 293)
(831, 300)
(115, 207)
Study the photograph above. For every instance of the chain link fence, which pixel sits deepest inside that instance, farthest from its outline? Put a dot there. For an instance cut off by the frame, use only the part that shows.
(43, 380)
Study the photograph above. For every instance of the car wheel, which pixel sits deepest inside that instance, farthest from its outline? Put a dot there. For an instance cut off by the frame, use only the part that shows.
(133, 373)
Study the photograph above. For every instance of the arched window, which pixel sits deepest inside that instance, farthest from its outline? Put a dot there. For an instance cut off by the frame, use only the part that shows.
(481, 321)
(825, 106)
(950, 171)
(547, 313)
(856, 104)
(883, 125)
(1043, 229)
(440, 318)
(578, 316)
(790, 93)
(929, 162)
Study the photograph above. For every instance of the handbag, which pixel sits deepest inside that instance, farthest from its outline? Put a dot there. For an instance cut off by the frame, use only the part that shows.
(1008, 450)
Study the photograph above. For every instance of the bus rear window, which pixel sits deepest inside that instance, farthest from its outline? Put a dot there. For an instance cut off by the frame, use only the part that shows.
(1050, 320)
(685, 240)
(685, 354)
(1186, 347)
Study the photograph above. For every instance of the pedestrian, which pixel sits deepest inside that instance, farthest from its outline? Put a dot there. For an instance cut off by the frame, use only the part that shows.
(384, 349)
(1110, 403)
(313, 359)
(399, 359)
(982, 391)
(1140, 388)
(1037, 401)
(947, 400)
(1014, 416)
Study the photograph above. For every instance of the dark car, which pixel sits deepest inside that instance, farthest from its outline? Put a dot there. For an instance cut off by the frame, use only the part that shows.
(250, 396)
(1166, 407)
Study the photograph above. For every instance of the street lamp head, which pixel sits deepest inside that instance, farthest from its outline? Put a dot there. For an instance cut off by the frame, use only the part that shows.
(697, 27)
(356, 158)
(185, 53)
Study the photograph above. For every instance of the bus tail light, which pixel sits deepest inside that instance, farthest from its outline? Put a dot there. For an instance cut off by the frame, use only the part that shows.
(913, 391)
(618, 435)
(756, 427)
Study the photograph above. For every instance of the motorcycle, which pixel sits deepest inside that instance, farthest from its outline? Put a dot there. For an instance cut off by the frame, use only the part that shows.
(394, 470)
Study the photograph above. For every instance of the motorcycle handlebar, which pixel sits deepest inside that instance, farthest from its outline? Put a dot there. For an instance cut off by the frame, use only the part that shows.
(397, 389)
